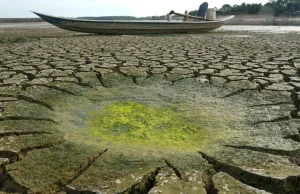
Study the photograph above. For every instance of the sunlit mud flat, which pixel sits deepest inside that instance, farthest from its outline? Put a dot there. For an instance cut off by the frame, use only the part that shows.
(208, 113)
(261, 29)
(27, 25)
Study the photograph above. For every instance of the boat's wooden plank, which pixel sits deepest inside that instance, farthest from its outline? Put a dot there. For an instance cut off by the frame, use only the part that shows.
(189, 16)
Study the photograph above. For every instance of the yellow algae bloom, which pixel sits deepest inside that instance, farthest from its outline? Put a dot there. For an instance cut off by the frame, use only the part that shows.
(133, 123)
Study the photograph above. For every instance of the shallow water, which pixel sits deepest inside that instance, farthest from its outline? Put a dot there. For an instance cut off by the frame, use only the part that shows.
(241, 28)
(262, 29)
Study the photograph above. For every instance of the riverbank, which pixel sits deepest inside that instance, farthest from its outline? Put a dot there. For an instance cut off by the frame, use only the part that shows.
(20, 20)
(263, 20)
(21, 27)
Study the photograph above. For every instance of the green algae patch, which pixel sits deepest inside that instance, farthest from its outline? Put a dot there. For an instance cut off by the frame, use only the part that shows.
(138, 124)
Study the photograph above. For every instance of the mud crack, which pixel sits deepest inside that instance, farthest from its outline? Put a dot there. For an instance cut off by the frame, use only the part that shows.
(9, 185)
(295, 137)
(80, 171)
(30, 100)
(19, 118)
(145, 185)
(208, 181)
(279, 119)
(294, 155)
(5, 134)
(100, 78)
(177, 172)
(50, 87)
(290, 185)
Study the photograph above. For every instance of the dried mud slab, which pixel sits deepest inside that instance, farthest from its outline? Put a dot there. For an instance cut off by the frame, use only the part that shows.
(210, 113)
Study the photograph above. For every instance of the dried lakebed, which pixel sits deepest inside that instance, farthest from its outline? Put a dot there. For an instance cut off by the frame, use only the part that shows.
(212, 113)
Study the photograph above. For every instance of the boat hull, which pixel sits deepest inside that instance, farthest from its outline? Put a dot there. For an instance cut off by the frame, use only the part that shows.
(133, 27)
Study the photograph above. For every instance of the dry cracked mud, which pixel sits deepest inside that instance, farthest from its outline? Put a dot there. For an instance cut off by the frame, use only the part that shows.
(209, 113)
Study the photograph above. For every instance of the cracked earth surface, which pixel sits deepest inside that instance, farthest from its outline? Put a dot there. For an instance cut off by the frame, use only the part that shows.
(208, 113)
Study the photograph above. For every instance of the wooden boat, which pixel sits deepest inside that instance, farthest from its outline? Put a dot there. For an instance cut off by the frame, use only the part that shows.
(136, 26)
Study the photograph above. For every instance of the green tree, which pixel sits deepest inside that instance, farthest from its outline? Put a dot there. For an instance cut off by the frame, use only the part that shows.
(274, 7)
(226, 7)
(243, 8)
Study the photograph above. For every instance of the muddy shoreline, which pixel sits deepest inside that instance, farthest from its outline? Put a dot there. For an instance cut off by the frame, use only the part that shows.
(265, 21)
(197, 113)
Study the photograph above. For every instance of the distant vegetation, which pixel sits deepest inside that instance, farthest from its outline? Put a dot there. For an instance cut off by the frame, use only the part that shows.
(273, 7)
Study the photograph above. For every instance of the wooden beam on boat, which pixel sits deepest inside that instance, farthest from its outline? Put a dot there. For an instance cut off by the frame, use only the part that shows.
(189, 16)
